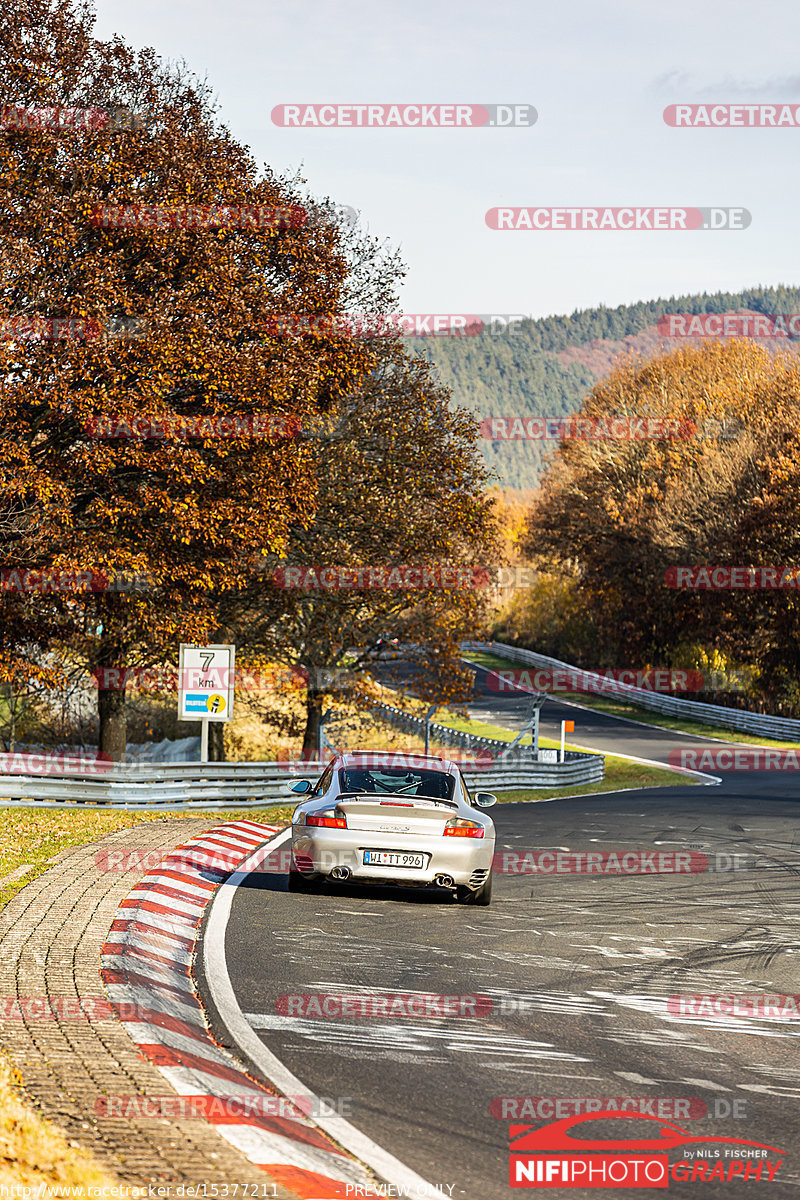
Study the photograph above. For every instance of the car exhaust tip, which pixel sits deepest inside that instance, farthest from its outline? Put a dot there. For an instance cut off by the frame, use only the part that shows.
(340, 874)
(444, 881)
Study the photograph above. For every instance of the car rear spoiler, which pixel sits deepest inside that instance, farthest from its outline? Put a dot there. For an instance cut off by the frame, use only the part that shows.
(388, 796)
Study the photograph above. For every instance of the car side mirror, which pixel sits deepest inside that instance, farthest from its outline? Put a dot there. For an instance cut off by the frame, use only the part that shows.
(484, 800)
(301, 786)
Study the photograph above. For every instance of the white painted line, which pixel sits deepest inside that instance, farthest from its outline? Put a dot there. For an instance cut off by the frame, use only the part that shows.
(215, 965)
(651, 762)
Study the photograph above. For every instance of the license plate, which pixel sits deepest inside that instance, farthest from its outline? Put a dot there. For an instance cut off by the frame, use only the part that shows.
(393, 858)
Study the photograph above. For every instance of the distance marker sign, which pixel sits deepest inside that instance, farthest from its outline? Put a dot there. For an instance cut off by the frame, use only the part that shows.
(206, 682)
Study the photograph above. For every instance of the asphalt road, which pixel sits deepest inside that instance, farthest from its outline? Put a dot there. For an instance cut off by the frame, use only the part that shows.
(580, 968)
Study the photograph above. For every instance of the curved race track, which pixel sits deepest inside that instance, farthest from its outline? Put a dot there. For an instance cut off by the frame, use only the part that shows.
(580, 968)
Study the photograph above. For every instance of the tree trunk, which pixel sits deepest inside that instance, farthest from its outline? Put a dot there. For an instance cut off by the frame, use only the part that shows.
(313, 722)
(110, 675)
(113, 723)
(216, 741)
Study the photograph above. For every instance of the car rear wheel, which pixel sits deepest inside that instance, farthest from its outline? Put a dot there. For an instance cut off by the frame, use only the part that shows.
(482, 897)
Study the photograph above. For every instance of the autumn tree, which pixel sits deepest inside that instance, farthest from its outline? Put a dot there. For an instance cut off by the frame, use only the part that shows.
(400, 483)
(187, 514)
(616, 514)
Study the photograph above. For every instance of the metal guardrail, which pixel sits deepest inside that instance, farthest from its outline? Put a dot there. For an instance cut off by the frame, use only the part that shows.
(260, 784)
(147, 785)
(780, 728)
(254, 784)
(591, 769)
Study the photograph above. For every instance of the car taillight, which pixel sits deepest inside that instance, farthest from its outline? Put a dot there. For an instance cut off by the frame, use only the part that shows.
(328, 820)
(457, 827)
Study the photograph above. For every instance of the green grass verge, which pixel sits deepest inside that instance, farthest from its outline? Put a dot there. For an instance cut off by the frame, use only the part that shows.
(32, 838)
(632, 712)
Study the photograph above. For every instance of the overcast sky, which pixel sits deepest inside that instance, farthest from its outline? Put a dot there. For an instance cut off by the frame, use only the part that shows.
(599, 76)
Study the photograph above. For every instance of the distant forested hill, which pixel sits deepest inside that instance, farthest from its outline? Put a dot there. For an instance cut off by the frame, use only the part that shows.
(544, 368)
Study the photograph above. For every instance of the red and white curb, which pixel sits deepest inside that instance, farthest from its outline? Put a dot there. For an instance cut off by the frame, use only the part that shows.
(147, 970)
(400, 1180)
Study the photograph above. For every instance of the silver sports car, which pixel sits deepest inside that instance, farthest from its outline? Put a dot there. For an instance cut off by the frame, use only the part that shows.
(379, 817)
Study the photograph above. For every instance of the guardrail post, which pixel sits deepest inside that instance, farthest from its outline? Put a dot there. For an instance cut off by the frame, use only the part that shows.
(428, 716)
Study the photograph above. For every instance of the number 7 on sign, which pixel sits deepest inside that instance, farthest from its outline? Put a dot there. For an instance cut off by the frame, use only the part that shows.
(207, 661)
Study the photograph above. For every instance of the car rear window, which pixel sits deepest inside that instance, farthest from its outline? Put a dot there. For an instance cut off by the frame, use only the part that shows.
(385, 781)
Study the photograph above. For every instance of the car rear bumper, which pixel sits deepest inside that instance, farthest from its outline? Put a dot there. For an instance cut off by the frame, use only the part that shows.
(467, 861)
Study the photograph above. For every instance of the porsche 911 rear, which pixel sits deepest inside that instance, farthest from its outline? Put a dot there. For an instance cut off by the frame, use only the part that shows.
(411, 840)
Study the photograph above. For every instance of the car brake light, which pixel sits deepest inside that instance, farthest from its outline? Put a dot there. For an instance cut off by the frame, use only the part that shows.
(394, 804)
(457, 827)
(327, 820)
